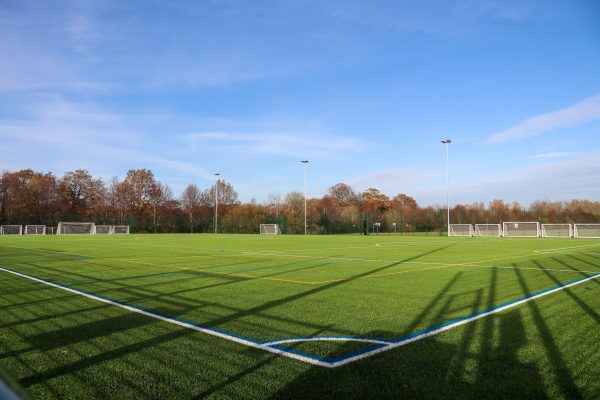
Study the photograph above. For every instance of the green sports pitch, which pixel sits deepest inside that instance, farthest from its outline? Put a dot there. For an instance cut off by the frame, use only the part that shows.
(260, 316)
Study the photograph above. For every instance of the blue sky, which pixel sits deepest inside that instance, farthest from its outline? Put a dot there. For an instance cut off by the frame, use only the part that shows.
(365, 90)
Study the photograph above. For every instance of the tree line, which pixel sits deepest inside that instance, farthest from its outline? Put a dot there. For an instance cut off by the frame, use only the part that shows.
(148, 205)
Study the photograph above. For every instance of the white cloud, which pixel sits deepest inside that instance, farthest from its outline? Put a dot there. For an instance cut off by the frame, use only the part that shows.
(551, 155)
(584, 111)
(302, 144)
(563, 180)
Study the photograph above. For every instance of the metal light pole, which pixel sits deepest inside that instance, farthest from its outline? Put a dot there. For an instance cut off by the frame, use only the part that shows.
(217, 202)
(446, 143)
(305, 225)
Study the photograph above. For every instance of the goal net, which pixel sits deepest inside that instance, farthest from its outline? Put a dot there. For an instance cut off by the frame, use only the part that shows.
(460, 230)
(11, 230)
(586, 230)
(521, 229)
(75, 228)
(488, 230)
(557, 230)
(120, 229)
(269, 229)
(35, 229)
(103, 229)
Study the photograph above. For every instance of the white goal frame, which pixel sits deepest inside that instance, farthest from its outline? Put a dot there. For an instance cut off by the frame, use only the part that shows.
(460, 230)
(120, 230)
(578, 229)
(550, 230)
(488, 230)
(62, 225)
(521, 229)
(5, 228)
(269, 229)
(103, 229)
(35, 230)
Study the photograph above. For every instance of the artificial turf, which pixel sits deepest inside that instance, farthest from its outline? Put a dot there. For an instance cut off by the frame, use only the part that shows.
(58, 344)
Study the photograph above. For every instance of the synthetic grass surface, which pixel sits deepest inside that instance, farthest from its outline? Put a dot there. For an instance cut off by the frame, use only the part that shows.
(61, 345)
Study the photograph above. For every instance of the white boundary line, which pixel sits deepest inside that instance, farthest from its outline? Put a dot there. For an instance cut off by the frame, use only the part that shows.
(223, 335)
(387, 345)
(459, 323)
(559, 249)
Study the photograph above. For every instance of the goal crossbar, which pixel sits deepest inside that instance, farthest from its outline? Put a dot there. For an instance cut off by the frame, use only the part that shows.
(269, 229)
(76, 228)
(11, 229)
(586, 230)
(557, 230)
(35, 229)
(460, 230)
(494, 230)
(521, 229)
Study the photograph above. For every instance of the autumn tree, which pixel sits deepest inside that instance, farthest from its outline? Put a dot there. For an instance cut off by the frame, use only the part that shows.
(159, 197)
(343, 194)
(191, 200)
(403, 206)
(80, 190)
(227, 195)
(373, 200)
(139, 183)
(118, 195)
(294, 209)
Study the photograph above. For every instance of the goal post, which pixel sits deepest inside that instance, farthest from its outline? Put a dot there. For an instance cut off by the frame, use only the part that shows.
(35, 229)
(460, 230)
(521, 229)
(492, 230)
(102, 229)
(75, 228)
(120, 230)
(11, 229)
(557, 230)
(586, 230)
(269, 229)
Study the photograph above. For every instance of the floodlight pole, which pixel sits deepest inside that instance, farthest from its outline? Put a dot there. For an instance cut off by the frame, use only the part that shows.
(305, 225)
(217, 202)
(446, 143)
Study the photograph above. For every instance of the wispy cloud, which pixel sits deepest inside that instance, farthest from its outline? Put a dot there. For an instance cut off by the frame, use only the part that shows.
(301, 144)
(584, 111)
(551, 155)
(556, 180)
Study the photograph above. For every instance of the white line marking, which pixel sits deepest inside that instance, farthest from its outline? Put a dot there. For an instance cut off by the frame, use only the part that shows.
(222, 335)
(327, 338)
(411, 262)
(458, 323)
(257, 253)
(559, 249)
(300, 357)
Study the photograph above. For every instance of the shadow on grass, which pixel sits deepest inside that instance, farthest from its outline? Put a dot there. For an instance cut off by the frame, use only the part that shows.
(431, 369)
(561, 372)
(584, 306)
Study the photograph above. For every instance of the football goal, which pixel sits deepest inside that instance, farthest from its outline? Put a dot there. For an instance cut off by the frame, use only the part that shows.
(269, 229)
(460, 230)
(11, 230)
(35, 229)
(120, 229)
(488, 230)
(75, 228)
(521, 229)
(102, 229)
(586, 230)
(557, 230)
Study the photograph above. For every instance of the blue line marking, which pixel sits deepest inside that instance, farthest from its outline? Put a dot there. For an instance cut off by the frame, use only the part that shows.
(314, 356)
